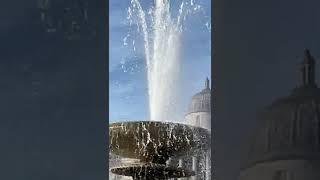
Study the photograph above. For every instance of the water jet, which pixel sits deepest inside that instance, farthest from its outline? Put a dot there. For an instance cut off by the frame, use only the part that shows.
(153, 144)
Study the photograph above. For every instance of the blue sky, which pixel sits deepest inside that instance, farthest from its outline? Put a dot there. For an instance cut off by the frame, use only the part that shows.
(127, 72)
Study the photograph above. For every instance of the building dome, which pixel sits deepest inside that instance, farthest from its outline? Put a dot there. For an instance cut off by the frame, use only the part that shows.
(289, 129)
(201, 102)
(199, 114)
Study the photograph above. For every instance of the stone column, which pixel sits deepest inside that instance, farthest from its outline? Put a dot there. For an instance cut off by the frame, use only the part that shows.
(208, 165)
(195, 167)
(181, 164)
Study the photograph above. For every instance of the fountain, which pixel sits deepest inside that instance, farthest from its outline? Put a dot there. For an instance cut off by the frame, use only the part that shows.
(154, 143)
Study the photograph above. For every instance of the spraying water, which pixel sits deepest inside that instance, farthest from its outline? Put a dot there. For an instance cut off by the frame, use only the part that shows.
(162, 32)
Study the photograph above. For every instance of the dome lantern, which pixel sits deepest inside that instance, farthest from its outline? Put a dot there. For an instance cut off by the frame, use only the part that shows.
(207, 83)
(308, 69)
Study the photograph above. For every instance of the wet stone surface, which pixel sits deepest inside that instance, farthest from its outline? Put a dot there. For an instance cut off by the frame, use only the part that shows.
(152, 144)
(152, 171)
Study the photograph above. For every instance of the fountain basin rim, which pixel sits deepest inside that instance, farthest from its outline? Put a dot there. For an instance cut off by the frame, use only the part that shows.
(117, 124)
(184, 140)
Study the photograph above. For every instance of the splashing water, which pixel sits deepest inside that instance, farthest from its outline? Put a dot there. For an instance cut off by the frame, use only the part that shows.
(162, 32)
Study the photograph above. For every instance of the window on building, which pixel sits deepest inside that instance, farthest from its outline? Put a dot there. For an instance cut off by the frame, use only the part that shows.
(281, 175)
(198, 120)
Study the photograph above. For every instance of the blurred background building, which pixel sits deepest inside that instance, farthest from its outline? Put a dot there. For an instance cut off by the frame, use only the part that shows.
(286, 144)
(70, 18)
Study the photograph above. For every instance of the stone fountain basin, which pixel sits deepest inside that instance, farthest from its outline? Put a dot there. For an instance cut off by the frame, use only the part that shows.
(153, 141)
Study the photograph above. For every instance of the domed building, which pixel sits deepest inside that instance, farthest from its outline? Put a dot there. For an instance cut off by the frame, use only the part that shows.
(199, 114)
(286, 145)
